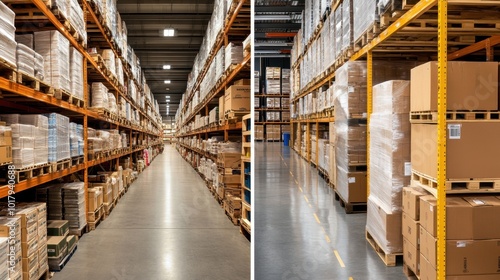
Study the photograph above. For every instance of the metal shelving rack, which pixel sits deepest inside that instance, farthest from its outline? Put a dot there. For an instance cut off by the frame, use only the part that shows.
(246, 176)
(237, 24)
(381, 44)
(27, 99)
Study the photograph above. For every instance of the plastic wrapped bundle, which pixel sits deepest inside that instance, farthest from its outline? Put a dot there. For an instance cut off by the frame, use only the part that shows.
(390, 143)
(7, 49)
(99, 95)
(109, 60)
(364, 15)
(95, 144)
(25, 39)
(39, 67)
(41, 153)
(233, 55)
(76, 70)
(54, 202)
(220, 62)
(7, 15)
(76, 19)
(384, 227)
(347, 21)
(74, 204)
(25, 57)
(338, 31)
(22, 158)
(62, 7)
(59, 148)
(54, 47)
(124, 140)
(105, 137)
(112, 107)
(119, 72)
(39, 121)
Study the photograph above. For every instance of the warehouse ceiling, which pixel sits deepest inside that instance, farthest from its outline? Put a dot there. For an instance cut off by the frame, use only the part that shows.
(276, 23)
(146, 20)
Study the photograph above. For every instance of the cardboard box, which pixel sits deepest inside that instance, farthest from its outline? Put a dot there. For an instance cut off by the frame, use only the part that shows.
(28, 248)
(470, 86)
(229, 160)
(56, 246)
(485, 218)
(32, 275)
(357, 187)
(29, 216)
(428, 246)
(57, 228)
(71, 240)
(27, 234)
(411, 230)
(427, 271)
(472, 153)
(5, 154)
(237, 98)
(411, 201)
(428, 206)
(95, 198)
(222, 100)
(30, 262)
(242, 82)
(411, 256)
(229, 179)
(472, 257)
(42, 254)
(384, 227)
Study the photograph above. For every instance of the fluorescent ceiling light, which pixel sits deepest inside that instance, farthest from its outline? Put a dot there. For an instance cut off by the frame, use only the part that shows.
(167, 96)
(166, 67)
(295, 3)
(273, 17)
(168, 32)
(167, 81)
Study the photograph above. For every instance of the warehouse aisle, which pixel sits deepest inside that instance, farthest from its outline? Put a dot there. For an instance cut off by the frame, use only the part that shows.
(167, 226)
(301, 231)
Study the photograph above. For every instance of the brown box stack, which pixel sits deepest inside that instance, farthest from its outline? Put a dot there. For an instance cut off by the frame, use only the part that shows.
(5, 143)
(6, 225)
(228, 180)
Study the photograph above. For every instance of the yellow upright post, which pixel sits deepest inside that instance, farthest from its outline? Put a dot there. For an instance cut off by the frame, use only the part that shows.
(369, 110)
(441, 191)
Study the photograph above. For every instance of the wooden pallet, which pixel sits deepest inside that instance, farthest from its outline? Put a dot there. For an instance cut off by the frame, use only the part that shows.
(350, 208)
(79, 38)
(60, 165)
(95, 218)
(388, 259)
(234, 218)
(78, 232)
(58, 267)
(32, 171)
(8, 70)
(457, 185)
(108, 208)
(245, 229)
(432, 117)
(410, 274)
(76, 160)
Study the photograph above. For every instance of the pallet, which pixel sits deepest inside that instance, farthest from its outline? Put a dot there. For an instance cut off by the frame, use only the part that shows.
(78, 232)
(34, 83)
(323, 174)
(456, 185)
(350, 208)
(45, 275)
(8, 70)
(410, 274)
(74, 33)
(233, 218)
(388, 259)
(245, 229)
(76, 160)
(60, 165)
(32, 171)
(432, 117)
(62, 264)
(95, 218)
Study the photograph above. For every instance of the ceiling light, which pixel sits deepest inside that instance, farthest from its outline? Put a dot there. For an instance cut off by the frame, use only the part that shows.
(168, 32)
(166, 67)
(167, 96)
(273, 17)
(167, 81)
(167, 88)
(295, 3)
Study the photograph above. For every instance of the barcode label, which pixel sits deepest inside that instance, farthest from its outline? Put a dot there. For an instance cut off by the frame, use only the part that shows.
(454, 131)
(407, 168)
(352, 180)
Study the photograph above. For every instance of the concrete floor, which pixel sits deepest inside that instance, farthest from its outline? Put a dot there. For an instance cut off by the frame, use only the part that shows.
(167, 226)
(301, 232)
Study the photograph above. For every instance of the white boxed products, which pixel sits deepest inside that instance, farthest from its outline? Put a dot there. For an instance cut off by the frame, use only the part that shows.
(347, 33)
(22, 130)
(233, 55)
(7, 35)
(54, 47)
(76, 70)
(41, 153)
(59, 148)
(62, 6)
(23, 157)
(39, 121)
(99, 96)
(39, 67)
(76, 18)
(25, 58)
(112, 107)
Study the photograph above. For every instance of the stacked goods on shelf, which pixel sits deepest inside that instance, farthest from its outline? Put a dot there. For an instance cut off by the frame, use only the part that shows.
(213, 116)
(7, 35)
(76, 139)
(319, 132)
(109, 61)
(258, 132)
(10, 227)
(4, 253)
(54, 47)
(23, 145)
(365, 20)
(390, 166)
(25, 57)
(74, 205)
(256, 82)
(76, 70)
(273, 132)
(233, 55)
(76, 19)
(58, 137)
(332, 170)
(99, 96)
(273, 80)
(41, 134)
(60, 243)
(102, 182)
(237, 98)
(5, 144)
(228, 181)
(471, 220)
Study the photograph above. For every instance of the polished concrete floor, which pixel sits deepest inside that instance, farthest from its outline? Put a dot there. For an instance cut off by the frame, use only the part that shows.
(301, 232)
(167, 226)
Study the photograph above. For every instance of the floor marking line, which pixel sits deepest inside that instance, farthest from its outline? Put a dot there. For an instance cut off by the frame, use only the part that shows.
(305, 197)
(300, 189)
(350, 278)
(327, 238)
(341, 262)
(317, 219)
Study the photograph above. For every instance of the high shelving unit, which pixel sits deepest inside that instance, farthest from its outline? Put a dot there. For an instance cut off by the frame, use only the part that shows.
(246, 177)
(236, 26)
(27, 98)
(423, 30)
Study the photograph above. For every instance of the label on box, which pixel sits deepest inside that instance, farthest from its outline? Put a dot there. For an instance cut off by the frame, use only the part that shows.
(350, 89)
(461, 244)
(407, 168)
(352, 180)
(478, 202)
(454, 131)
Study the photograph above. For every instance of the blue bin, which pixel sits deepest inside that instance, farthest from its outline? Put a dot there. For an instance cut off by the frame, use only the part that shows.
(286, 138)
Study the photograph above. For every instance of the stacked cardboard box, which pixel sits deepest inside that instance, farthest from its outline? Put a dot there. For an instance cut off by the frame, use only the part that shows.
(390, 167)
(273, 80)
(10, 227)
(273, 132)
(74, 205)
(25, 57)
(23, 145)
(228, 179)
(5, 143)
(59, 243)
(233, 55)
(259, 132)
(7, 36)
(237, 98)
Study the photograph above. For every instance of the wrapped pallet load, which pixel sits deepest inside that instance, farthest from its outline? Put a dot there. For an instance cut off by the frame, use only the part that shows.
(25, 57)
(99, 96)
(54, 47)
(7, 35)
(76, 70)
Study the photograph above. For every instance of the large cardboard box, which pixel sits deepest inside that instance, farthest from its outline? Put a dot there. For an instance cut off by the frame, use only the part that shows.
(27, 234)
(56, 246)
(58, 228)
(237, 98)
(427, 271)
(428, 246)
(94, 198)
(469, 257)
(485, 218)
(384, 227)
(229, 160)
(30, 262)
(411, 256)
(356, 187)
(28, 248)
(5, 154)
(222, 100)
(428, 208)
(242, 82)
(29, 216)
(411, 201)
(229, 179)
(470, 86)
(471, 149)
(411, 230)
(5, 137)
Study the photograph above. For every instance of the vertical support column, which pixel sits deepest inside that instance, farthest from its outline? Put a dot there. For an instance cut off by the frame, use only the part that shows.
(85, 155)
(308, 142)
(317, 145)
(441, 172)
(369, 110)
